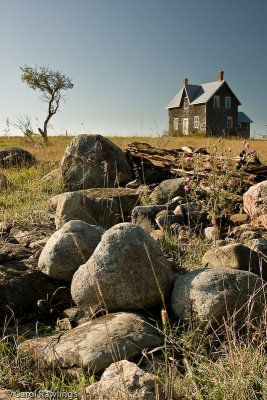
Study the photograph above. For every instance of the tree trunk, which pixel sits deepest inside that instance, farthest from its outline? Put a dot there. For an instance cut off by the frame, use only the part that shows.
(44, 135)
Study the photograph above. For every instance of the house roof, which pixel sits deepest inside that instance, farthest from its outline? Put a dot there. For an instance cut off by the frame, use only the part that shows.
(198, 94)
(242, 117)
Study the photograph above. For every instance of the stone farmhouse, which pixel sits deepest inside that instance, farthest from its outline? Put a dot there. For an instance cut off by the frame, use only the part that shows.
(208, 108)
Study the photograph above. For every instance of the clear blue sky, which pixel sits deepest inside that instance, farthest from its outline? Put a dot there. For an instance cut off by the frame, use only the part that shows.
(127, 58)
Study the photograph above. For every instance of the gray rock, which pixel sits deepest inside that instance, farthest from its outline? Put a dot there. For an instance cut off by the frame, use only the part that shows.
(235, 256)
(124, 380)
(255, 200)
(54, 177)
(145, 216)
(211, 233)
(214, 294)
(167, 190)
(77, 206)
(192, 212)
(93, 161)
(95, 344)
(68, 248)
(259, 245)
(21, 288)
(16, 157)
(120, 275)
(165, 219)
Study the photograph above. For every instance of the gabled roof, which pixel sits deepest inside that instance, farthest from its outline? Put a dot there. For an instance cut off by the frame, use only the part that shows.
(198, 94)
(242, 117)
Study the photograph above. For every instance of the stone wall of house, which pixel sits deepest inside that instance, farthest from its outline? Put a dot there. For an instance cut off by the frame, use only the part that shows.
(243, 129)
(217, 117)
(189, 112)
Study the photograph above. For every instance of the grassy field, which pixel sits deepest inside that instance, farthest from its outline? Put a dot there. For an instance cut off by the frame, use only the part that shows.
(27, 195)
(55, 150)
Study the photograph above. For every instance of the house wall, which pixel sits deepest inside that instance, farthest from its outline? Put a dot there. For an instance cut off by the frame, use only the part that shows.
(217, 117)
(190, 112)
(243, 129)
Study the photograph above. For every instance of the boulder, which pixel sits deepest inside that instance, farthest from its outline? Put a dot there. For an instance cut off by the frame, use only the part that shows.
(214, 294)
(167, 190)
(192, 212)
(255, 200)
(124, 272)
(94, 161)
(68, 248)
(236, 256)
(145, 216)
(21, 288)
(165, 219)
(16, 157)
(124, 380)
(77, 206)
(53, 177)
(95, 344)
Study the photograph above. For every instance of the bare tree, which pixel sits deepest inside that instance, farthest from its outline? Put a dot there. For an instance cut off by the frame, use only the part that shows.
(51, 84)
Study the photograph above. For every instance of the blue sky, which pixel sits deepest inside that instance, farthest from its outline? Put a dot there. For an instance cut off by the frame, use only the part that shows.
(127, 58)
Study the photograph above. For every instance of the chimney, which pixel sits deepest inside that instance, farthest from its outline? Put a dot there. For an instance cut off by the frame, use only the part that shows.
(185, 82)
(220, 76)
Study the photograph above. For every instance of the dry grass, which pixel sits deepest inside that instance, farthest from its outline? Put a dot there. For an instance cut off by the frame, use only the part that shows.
(55, 150)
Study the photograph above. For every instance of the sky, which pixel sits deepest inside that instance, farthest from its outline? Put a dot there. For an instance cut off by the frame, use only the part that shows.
(127, 59)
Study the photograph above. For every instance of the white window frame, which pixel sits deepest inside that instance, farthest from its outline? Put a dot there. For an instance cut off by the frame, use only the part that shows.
(186, 102)
(175, 124)
(228, 102)
(196, 121)
(229, 119)
(217, 102)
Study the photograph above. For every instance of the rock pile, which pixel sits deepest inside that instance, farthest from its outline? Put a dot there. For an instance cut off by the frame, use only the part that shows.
(105, 255)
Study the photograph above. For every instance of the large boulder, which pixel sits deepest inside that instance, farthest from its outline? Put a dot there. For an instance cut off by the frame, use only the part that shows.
(93, 161)
(127, 271)
(255, 200)
(68, 248)
(124, 380)
(16, 157)
(167, 190)
(236, 256)
(126, 198)
(21, 288)
(95, 211)
(216, 294)
(95, 344)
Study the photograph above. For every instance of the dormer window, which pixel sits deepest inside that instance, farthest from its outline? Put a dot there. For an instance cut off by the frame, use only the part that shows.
(185, 102)
(216, 101)
(227, 102)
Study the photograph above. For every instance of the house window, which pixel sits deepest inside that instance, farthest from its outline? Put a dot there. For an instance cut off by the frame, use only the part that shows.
(196, 121)
(239, 125)
(175, 124)
(216, 101)
(228, 102)
(186, 102)
(229, 122)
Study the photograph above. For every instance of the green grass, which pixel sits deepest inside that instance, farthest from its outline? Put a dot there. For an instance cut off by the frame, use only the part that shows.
(27, 196)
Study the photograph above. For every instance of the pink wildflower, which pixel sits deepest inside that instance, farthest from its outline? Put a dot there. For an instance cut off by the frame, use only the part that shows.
(253, 151)
(187, 179)
(187, 188)
(189, 159)
(207, 158)
(223, 166)
(246, 145)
